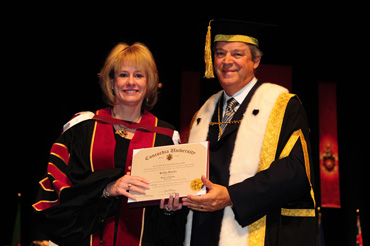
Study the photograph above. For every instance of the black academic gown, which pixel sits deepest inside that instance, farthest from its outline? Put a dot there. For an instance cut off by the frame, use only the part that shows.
(284, 184)
(80, 210)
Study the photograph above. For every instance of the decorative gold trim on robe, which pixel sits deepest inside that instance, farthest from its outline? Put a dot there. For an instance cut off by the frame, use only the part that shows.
(61, 151)
(288, 148)
(257, 230)
(309, 212)
(92, 147)
(286, 151)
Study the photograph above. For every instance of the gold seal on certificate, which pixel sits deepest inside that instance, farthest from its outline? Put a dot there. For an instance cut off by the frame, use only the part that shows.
(196, 185)
(170, 169)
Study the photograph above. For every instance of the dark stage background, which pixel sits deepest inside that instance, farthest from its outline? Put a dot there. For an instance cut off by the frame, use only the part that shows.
(54, 53)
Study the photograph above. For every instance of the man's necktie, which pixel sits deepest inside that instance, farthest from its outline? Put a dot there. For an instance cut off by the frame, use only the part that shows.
(229, 114)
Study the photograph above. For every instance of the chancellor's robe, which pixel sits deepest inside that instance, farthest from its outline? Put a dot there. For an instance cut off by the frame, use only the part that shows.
(83, 160)
(265, 164)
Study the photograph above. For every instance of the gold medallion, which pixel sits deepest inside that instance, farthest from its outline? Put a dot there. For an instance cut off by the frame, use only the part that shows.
(122, 133)
(196, 185)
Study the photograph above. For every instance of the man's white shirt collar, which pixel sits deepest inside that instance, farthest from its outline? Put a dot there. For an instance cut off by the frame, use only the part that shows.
(240, 95)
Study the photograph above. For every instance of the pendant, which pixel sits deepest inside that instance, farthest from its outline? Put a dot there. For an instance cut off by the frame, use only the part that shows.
(122, 133)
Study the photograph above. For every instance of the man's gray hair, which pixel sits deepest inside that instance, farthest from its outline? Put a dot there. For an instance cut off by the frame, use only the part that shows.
(255, 51)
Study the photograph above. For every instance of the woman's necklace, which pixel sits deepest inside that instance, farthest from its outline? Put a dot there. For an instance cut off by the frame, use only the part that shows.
(123, 132)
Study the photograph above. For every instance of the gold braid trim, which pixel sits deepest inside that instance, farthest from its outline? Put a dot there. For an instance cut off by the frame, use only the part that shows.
(226, 122)
(273, 129)
(257, 230)
(236, 38)
(298, 212)
(288, 148)
(219, 123)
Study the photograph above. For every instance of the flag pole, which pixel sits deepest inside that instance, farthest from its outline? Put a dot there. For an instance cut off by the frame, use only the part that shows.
(16, 239)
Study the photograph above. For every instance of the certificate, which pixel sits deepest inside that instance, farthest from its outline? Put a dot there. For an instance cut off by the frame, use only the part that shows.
(170, 169)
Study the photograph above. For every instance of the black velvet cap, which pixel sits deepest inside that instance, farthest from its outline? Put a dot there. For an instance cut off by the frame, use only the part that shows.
(223, 30)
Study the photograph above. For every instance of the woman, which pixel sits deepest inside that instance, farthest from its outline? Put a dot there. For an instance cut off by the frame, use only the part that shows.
(83, 198)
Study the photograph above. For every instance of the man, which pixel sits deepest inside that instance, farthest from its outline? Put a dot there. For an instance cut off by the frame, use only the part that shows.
(259, 186)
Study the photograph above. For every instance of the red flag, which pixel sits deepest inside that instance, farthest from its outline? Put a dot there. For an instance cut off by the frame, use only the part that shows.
(359, 233)
(329, 166)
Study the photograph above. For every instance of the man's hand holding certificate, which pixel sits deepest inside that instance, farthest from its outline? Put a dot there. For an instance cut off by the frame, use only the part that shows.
(170, 169)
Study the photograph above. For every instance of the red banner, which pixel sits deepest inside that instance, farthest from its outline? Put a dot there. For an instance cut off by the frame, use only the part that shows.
(329, 166)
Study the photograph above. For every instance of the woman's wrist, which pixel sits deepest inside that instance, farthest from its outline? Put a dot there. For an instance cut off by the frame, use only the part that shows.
(106, 193)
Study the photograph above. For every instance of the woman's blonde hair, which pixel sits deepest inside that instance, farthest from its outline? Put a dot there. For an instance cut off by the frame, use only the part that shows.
(138, 56)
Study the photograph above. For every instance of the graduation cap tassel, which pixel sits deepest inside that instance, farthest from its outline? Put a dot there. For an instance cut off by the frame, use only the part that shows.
(208, 54)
